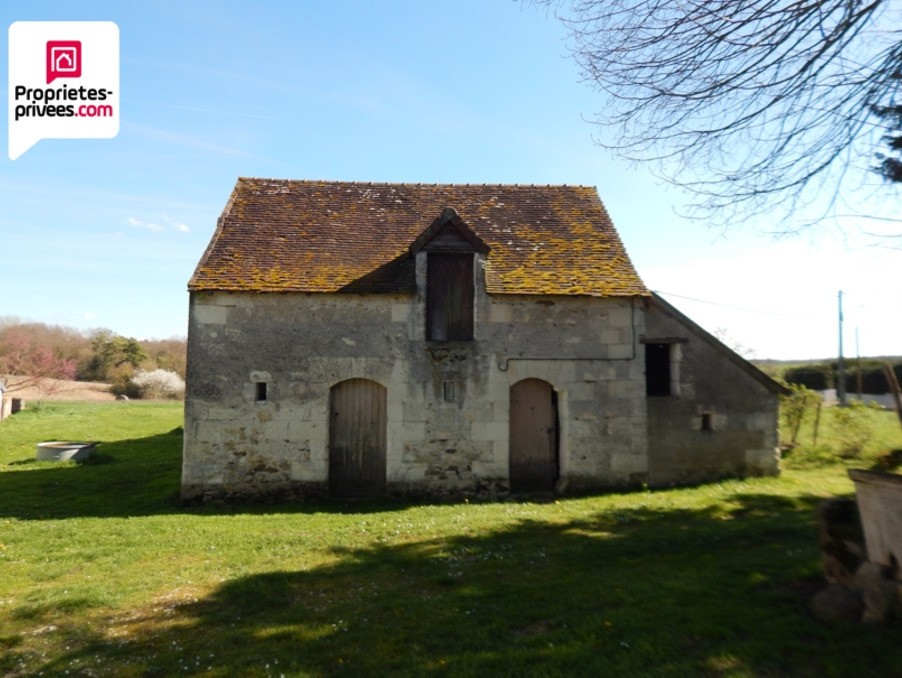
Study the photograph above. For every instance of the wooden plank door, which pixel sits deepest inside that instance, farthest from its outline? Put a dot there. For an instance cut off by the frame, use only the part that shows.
(449, 297)
(533, 436)
(357, 438)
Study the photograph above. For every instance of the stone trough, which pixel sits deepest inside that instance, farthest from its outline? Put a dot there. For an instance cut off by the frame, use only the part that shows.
(56, 450)
(879, 497)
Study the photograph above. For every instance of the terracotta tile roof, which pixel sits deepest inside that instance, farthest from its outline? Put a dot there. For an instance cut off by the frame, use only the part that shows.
(324, 236)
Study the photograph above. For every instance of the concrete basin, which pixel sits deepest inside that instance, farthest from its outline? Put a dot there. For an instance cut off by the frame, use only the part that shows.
(57, 450)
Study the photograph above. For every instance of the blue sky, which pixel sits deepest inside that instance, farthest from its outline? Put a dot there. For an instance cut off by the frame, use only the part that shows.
(106, 233)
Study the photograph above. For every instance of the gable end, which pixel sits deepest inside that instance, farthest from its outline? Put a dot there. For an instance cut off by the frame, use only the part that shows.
(449, 233)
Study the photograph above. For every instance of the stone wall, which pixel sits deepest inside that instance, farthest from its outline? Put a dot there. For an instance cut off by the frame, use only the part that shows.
(722, 418)
(448, 403)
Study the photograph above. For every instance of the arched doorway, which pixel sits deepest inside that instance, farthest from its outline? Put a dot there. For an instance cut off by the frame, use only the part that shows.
(533, 436)
(357, 438)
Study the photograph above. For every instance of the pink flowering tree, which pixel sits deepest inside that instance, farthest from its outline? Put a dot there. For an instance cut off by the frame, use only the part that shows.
(35, 365)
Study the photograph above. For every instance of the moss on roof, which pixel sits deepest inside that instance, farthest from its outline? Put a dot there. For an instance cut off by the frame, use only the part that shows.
(321, 236)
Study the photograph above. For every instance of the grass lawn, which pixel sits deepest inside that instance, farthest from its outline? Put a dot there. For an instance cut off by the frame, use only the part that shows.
(103, 573)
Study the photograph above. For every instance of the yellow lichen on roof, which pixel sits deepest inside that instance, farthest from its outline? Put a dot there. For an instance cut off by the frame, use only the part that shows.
(309, 236)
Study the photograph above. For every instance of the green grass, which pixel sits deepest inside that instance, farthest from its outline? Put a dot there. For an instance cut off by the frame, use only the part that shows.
(840, 433)
(103, 573)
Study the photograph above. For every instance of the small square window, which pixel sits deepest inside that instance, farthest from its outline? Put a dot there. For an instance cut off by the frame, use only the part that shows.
(707, 421)
(260, 391)
(450, 392)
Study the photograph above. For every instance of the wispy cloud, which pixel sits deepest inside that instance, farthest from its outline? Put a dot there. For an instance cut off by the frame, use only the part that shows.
(169, 224)
(184, 140)
(209, 111)
(176, 225)
(146, 225)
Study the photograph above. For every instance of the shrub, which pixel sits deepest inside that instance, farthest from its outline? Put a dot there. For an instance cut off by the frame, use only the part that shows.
(817, 377)
(809, 455)
(852, 430)
(873, 376)
(795, 406)
(158, 384)
(120, 380)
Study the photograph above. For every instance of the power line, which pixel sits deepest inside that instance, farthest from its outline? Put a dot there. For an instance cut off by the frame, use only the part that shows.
(745, 309)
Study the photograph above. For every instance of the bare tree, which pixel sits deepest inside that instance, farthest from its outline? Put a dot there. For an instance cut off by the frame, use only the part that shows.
(749, 104)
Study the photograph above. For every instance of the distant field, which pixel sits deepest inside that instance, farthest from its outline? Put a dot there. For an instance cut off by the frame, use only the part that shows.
(105, 574)
(850, 361)
(53, 390)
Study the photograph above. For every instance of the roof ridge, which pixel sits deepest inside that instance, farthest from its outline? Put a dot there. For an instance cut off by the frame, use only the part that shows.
(412, 184)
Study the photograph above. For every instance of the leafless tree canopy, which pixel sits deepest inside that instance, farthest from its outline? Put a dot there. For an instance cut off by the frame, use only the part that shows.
(748, 103)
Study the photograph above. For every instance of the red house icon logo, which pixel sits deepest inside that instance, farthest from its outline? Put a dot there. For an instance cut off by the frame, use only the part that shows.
(63, 59)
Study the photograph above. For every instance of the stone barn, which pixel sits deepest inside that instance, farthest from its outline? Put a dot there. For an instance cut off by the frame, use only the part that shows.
(364, 339)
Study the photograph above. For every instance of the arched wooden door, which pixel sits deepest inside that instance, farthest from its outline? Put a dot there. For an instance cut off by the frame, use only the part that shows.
(357, 439)
(533, 436)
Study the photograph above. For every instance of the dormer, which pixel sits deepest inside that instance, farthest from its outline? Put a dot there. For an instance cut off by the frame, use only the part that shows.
(448, 248)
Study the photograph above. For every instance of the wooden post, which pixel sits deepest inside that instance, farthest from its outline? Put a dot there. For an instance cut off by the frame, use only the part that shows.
(894, 388)
(817, 418)
(841, 379)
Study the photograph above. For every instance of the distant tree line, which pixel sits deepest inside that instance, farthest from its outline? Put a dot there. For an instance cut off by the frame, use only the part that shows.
(825, 375)
(40, 351)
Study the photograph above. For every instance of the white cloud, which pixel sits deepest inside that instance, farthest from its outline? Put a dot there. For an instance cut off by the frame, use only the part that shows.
(146, 225)
(169, 224)
(177, 225)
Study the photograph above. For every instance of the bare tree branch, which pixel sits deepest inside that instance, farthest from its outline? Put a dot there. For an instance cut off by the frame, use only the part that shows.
(748, 104)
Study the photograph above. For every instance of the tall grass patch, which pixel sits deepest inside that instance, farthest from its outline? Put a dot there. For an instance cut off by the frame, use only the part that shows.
(857, 435)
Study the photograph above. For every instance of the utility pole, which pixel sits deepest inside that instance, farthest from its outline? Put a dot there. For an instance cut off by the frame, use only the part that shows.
(841, 384)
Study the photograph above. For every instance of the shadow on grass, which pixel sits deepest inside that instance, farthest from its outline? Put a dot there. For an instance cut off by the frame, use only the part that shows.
(132, 478)
(629, 592)
(139, 477)
(122, 478)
